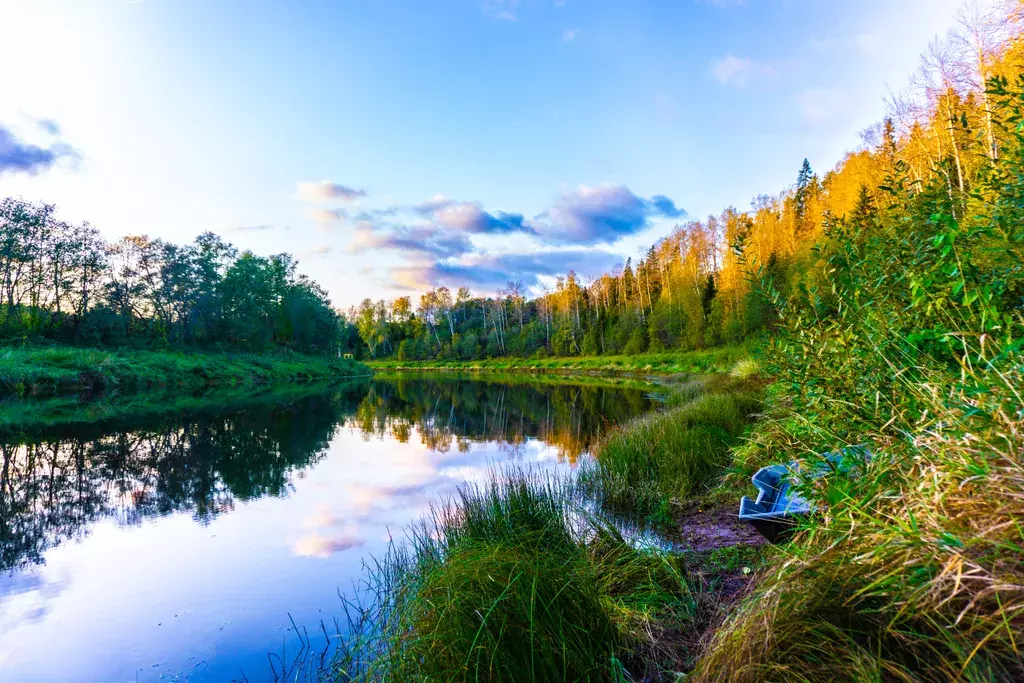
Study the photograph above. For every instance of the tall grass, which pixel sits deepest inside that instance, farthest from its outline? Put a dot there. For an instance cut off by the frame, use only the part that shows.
(915, 573)
(903, 332)
(512, 581)
(677, 453)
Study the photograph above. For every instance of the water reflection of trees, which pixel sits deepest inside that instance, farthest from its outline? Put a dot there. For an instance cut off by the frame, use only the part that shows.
(54, 485)
(450, 413)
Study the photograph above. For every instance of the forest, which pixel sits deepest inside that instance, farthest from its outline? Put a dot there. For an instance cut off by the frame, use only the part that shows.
(947, 147)
(63, 283)
(949, 136)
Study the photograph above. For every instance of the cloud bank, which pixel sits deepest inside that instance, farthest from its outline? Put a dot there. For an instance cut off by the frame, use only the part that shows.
(470, 217)
(596, 215)
(738, 71)
(422, 240)
(491, 272)
(445, 240)
(18, 156)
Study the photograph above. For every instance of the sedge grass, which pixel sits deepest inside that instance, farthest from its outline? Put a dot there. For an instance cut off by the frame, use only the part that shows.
(677, 453)
(512, 581)
(915, 571)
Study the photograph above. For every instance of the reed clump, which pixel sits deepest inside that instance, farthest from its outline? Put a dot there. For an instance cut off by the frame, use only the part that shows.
(513, 580)
(677, 453)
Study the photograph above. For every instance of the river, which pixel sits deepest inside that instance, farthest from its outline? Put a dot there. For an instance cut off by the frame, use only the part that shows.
(183, 546)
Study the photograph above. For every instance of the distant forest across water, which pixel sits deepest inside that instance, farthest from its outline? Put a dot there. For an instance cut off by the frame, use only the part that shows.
(945, 152)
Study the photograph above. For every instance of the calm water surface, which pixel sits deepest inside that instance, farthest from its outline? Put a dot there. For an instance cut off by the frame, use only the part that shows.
(176, 547)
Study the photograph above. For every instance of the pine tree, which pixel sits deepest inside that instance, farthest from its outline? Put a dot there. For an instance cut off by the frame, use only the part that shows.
(805, 186)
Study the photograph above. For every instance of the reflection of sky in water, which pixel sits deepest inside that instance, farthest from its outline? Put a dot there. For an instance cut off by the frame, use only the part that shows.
(173, 599)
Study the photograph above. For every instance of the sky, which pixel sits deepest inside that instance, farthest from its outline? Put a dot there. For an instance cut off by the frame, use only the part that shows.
(394, 145)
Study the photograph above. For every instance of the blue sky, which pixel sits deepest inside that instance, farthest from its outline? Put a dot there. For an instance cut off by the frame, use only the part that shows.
(393, 144)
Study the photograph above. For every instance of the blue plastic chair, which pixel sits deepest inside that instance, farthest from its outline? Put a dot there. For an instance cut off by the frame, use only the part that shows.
(778, 506)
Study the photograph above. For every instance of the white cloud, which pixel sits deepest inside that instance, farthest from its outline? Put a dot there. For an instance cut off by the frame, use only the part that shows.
(319, 250)
(326, 216)
(324, 190)
(569, 35)
(738, 71)
(262, 227)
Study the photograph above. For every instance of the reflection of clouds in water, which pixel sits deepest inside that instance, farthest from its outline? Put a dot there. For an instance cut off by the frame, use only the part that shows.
(414, 477)
(365, 498)
(32, 581)
(26, 597)
(318, 545)
(20, 582)
(321, 519)
(311, 489)
(327, 534)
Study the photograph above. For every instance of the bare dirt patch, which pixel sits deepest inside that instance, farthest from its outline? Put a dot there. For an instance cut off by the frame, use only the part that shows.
(702, 529)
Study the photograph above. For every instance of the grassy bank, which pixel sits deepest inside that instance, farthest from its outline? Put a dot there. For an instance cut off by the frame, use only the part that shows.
(916, 569)
(677, 454)
(680, 363)
(514, 378)
(42, 372)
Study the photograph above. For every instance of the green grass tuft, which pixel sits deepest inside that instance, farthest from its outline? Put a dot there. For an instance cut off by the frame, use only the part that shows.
(677, 453)
(513, 581)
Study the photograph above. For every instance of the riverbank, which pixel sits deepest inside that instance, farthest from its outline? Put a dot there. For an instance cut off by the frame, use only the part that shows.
(46, 372)
(531, 554)
(707, 361)
(707, 598)
(654, 384)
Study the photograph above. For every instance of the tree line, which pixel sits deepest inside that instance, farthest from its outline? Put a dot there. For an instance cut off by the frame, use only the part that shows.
(720, 279)
(63, 282)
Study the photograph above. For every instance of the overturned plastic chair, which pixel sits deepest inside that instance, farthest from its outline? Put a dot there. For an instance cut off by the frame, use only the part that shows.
(778, 506)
